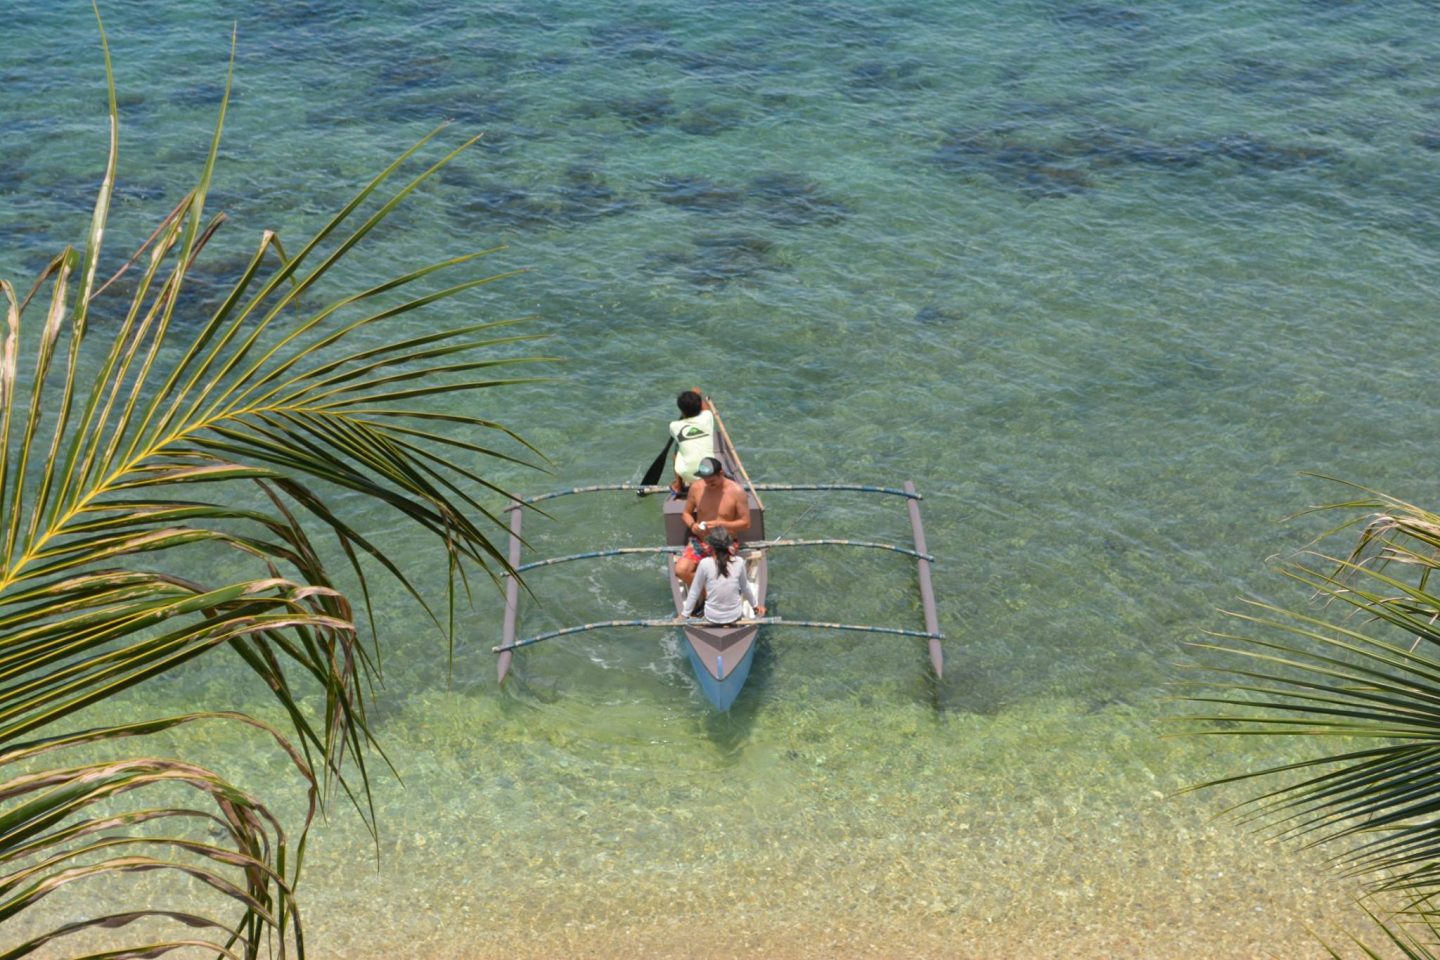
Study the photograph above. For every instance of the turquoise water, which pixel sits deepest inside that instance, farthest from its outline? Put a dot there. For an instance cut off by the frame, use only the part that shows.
(1103, 280)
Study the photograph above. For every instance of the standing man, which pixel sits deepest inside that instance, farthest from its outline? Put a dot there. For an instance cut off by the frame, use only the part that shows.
(715, 502)
(694, 435)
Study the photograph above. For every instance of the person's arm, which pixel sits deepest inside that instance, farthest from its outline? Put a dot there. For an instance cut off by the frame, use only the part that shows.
(747, 591)
(702, 573)
(692, 503)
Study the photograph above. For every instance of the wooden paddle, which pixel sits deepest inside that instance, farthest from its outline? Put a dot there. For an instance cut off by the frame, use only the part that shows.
(720, 424)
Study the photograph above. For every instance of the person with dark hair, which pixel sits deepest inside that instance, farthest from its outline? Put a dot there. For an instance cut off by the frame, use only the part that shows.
(714, 502)
(694, 436)
(721, 580)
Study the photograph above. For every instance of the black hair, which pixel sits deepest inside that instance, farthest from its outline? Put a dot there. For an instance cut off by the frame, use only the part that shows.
(720, 543)
(689, 403)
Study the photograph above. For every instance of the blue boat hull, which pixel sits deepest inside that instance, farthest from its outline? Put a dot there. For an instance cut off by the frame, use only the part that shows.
(722, 656)
(721, 692)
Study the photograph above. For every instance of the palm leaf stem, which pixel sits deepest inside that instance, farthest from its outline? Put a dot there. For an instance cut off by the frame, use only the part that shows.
(123, 347)
(165, 304)
(33, 416)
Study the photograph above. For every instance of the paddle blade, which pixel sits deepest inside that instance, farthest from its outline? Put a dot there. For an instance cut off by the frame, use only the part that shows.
(652, 476)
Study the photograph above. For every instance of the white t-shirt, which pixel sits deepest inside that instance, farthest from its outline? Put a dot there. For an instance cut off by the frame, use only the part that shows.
(722, 594)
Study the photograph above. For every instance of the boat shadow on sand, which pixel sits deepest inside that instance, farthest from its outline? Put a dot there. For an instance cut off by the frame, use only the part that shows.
(732, 730)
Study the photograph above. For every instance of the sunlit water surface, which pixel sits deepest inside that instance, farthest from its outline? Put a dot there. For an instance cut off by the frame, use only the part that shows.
(1103, 280)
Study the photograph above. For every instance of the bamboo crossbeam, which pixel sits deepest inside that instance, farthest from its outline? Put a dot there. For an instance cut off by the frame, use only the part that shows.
(642, 488)
(615, 552)
(868, 544)
(694, 622)
(851, 487)
(857, 628)
(538, 498)
(752, 545)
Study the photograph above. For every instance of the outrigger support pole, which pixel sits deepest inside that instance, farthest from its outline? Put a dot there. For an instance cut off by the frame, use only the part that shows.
(539, 498)
(504, 649)
(869, 544)
(751, 545)
(512, 592)
(909, 493)
(927, 591)
(593, 554)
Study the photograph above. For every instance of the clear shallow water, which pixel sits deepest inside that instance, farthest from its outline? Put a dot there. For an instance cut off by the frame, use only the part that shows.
(1102, 280)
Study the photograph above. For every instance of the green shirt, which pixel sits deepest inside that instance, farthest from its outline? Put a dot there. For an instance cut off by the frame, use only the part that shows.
(695, 437)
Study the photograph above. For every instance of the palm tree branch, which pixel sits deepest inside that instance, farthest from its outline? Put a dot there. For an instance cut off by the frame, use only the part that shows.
(306, 390)
(257, 378)
(151, 659)
(406, 348)
(32, 421)
(223, 375)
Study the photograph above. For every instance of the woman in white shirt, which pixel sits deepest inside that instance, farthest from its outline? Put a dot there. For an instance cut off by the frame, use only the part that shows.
(720, 579)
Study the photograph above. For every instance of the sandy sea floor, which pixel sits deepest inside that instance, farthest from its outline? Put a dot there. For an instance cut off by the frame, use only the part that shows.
(1207, 894)
(998, 866)
(1052, 829)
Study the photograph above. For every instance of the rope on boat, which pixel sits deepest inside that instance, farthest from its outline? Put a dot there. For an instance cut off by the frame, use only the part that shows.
(656, 488)
(753, 545)
(696, 622)
(734, 454)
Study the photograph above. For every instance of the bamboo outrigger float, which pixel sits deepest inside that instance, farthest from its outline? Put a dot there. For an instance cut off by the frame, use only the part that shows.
(721, 655)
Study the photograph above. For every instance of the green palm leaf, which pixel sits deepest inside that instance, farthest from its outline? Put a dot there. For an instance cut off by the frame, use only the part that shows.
(50, 840)
(117, 463)
(1363, 670)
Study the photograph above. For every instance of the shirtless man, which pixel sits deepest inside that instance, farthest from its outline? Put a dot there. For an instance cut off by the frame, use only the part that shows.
(714, 501)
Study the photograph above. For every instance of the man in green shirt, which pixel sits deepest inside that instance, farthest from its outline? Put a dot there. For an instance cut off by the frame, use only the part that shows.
(694, 436)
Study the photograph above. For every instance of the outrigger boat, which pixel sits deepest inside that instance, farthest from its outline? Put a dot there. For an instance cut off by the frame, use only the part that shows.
(720, 655)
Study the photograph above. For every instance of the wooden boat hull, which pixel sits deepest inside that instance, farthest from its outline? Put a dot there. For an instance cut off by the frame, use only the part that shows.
(722, 656)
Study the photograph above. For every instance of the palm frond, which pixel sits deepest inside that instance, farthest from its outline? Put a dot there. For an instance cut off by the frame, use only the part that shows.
(50, 839)
(120, 463)
(1363, 667)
